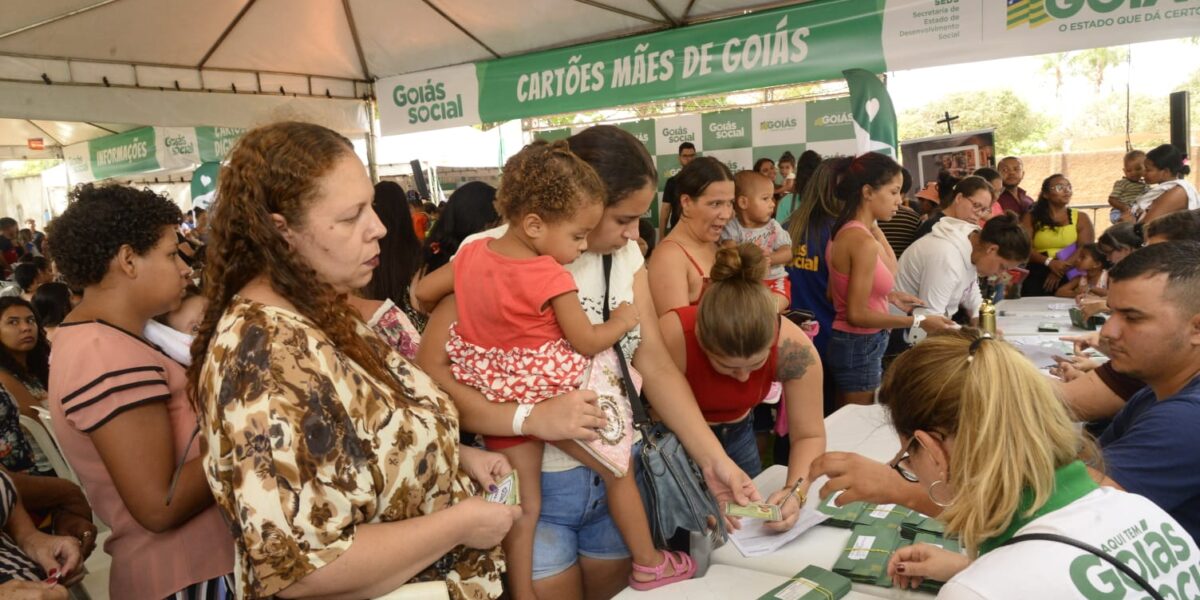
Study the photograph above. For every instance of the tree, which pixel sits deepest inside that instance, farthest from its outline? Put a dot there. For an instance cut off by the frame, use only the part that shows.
(1019, 129)
(1094, 64)
(1056, 65)
(26, 168)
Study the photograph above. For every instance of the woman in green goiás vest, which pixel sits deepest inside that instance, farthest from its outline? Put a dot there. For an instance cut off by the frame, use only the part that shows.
(983, 433)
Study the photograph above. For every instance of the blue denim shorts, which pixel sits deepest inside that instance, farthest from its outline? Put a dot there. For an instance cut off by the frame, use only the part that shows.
(574, 522)
(856, 359)
(738, 440)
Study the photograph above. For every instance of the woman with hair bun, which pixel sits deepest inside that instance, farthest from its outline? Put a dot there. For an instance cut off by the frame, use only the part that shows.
(731, 347)
(1169, 190)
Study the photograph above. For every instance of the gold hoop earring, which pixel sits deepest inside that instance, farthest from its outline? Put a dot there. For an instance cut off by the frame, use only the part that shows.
(933, 499)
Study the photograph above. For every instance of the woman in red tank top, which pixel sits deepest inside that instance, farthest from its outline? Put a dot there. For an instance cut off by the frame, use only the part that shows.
(679, 268)
(731, 347)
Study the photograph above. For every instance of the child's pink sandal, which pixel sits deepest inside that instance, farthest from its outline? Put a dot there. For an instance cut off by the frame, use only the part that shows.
(683, 566)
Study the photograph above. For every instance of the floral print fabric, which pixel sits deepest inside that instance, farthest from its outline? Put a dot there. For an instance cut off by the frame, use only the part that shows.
(304, 445)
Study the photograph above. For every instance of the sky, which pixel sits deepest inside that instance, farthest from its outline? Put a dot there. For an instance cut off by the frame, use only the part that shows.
(1157, 68)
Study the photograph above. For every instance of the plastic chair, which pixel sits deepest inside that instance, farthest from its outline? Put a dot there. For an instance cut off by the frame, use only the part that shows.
(45, 440)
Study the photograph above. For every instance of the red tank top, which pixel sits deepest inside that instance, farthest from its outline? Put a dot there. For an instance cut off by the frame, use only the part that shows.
(722, 398)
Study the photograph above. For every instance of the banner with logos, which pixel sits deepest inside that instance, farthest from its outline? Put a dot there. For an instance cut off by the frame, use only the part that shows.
(739, 137)
(807, 42)
(148, 149)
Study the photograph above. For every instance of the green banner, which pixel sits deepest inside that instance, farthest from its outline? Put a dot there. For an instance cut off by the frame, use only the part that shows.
(642, 130)
(727, 129)
(216, 142)
(130, 152)
(800, 43)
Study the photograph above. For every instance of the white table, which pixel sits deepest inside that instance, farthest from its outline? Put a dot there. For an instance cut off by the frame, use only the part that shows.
(1023, 315)
(722, 582)
(1020, 320)
(861, 429)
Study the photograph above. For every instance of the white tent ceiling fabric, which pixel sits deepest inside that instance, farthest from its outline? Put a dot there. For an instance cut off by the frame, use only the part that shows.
(237, 63)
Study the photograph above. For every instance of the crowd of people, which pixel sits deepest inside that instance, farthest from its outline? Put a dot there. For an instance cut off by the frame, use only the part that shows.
(318, 371)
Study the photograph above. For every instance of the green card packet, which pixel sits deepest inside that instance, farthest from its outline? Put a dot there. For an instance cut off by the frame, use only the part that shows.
(866, 555)
(939, 541)
(883, 515)
(843, 516)
(813, 583)
(916, 523)
(952, 545)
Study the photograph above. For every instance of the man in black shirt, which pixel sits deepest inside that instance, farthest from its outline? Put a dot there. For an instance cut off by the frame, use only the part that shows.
(670, 210)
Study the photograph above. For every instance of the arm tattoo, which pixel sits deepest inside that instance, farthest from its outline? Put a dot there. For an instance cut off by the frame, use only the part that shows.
(794, 360)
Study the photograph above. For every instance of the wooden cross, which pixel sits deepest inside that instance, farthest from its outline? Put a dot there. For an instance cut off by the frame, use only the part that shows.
(948, 120)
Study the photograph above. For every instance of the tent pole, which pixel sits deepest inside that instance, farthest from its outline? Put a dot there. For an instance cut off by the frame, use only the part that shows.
(372, 165)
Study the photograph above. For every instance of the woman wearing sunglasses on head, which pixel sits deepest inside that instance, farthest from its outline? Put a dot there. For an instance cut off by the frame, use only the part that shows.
(986, 440)
(1055, 230)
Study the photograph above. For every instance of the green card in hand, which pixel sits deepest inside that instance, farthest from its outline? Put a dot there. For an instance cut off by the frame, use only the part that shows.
(930, 585)
(813, 583)
(755, 510)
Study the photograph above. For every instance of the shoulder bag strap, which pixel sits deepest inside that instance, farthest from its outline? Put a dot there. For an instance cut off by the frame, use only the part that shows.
(1124, 568)
(640, 418)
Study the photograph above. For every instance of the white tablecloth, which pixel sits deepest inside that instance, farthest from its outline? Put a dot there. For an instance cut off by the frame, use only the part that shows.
(1023, 316)
(724, 583)
(861, 429)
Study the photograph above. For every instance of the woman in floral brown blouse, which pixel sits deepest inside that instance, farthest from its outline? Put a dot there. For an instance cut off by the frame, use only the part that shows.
(323, 443)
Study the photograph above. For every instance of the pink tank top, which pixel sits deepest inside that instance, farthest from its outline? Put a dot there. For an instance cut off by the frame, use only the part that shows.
(839, 285)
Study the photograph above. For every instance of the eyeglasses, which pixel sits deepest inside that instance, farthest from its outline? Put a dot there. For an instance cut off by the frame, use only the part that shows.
(1061, 187)
(900, 462)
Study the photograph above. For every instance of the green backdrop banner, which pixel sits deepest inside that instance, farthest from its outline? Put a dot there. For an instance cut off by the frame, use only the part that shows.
(739, 137)
(813, 41)
(802, 43)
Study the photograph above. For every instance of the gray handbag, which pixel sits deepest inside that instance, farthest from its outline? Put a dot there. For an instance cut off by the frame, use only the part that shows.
(672, 486)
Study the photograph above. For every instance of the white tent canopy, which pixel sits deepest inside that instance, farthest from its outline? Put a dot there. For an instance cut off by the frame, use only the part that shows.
(72, 70)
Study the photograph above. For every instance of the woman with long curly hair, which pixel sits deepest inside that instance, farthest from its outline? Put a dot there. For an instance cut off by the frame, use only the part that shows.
(324, 444)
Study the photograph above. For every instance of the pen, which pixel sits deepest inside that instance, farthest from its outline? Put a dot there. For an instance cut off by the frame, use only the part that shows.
(795, 488)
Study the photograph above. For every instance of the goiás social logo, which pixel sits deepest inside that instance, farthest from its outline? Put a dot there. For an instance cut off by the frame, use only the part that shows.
(727, 129)
(678, 135)
(427, 102)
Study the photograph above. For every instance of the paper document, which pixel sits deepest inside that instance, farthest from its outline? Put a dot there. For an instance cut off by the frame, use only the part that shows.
(754, 539)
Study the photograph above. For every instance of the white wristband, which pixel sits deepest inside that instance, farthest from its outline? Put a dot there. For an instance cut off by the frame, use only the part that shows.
(917, 318)
(519, 417)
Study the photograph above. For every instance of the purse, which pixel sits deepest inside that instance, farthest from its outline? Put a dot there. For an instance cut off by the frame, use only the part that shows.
(672, 486)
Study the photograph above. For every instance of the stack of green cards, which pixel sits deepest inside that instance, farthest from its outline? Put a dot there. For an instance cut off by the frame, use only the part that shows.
(952, 545)
(843, 516)
(813, 583)
(883, 515)
(917, 523)
(865, 558)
